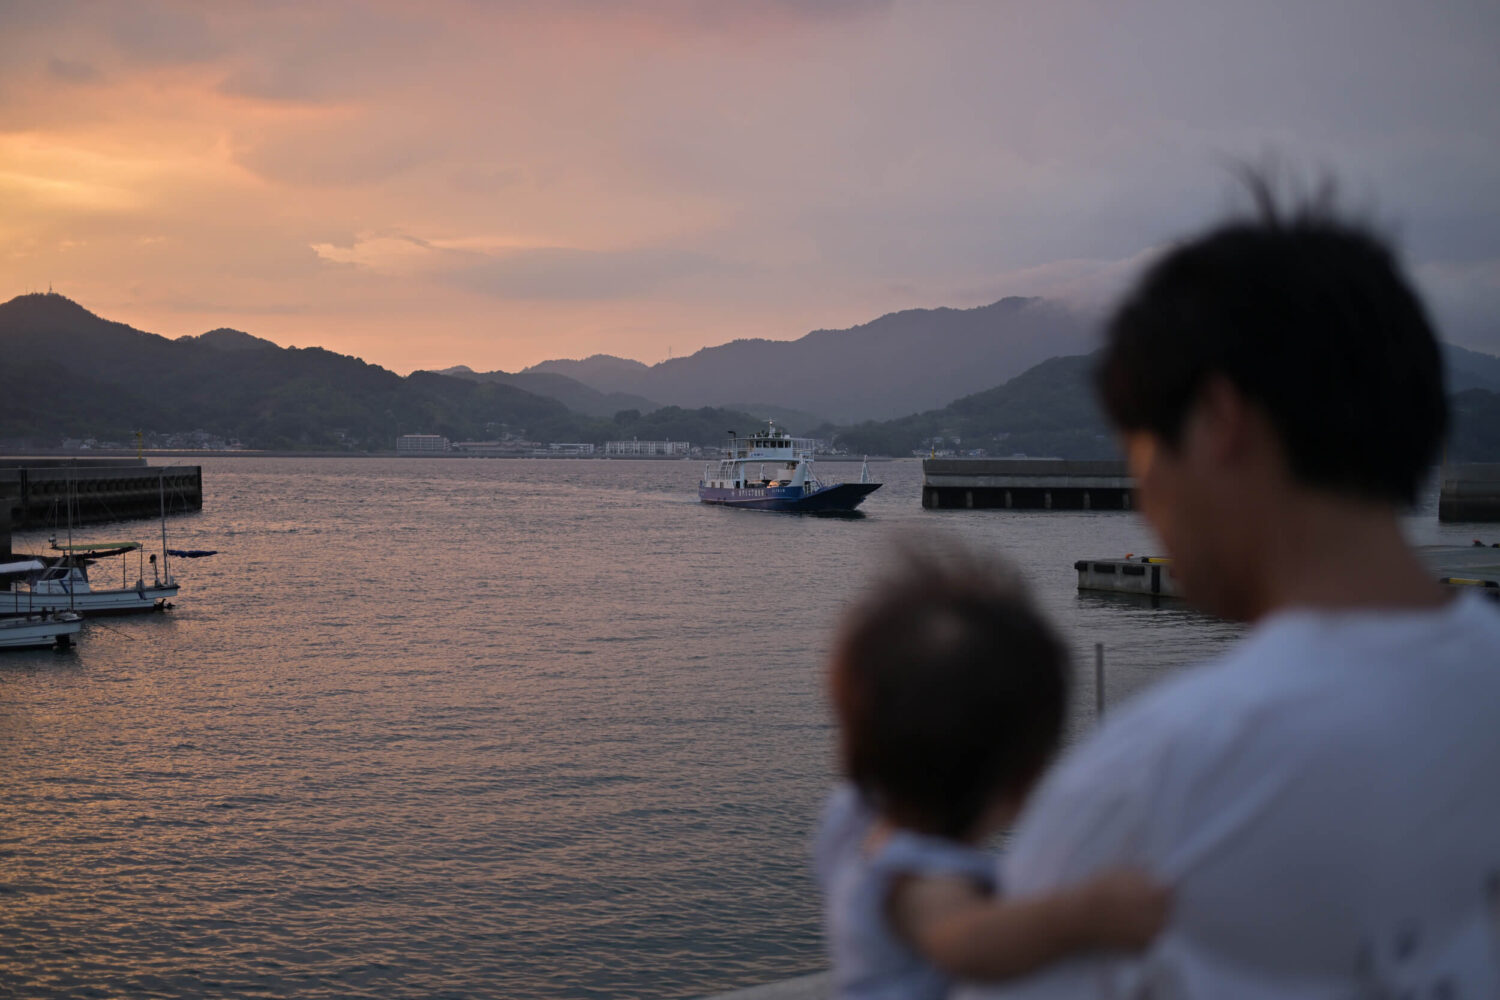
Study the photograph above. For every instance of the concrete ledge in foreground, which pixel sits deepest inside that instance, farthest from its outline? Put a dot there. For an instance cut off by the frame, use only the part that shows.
(815, 987)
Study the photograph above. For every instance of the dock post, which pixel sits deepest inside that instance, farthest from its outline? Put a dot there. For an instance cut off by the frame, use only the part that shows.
(969, 499)
(1099, 679)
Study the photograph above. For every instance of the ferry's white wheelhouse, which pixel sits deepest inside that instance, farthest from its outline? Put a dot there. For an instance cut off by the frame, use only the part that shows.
(789, 458)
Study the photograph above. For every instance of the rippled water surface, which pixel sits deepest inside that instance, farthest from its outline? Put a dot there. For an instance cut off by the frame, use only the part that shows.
(424, 728)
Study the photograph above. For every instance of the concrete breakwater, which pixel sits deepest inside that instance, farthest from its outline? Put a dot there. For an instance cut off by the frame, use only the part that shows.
(1024, 484)
(37, 492)
(1470, 492)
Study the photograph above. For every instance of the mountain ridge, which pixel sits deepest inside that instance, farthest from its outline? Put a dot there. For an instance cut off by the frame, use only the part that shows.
(72, 372)
(898, 363)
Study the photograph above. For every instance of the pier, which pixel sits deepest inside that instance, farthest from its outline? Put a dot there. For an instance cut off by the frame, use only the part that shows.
(1470, 492)
(1024, 484)
(35, 492)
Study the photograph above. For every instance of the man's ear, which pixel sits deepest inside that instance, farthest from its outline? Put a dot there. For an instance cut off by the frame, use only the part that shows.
(1224, 426)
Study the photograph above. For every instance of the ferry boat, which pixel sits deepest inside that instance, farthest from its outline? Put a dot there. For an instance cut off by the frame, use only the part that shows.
(791, 485)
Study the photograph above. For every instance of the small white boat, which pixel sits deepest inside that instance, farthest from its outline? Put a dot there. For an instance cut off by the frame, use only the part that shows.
(35, 631)
(64, 585)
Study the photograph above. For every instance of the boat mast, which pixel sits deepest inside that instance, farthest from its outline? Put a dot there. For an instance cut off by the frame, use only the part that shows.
(161, 486)
(67, 576)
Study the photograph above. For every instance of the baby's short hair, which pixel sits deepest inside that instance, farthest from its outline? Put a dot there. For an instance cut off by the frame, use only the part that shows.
(950, 690)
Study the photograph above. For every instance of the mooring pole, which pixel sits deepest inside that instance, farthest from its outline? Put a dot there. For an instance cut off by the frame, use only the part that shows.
(1099, 679)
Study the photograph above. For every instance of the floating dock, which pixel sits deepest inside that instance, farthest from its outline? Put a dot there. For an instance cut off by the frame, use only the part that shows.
(1024, 484)
(1474, 567)
(1149, 575)
(1469, 492)
(35, 492)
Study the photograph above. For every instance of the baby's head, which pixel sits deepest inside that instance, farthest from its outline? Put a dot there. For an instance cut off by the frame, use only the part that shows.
(950, 690)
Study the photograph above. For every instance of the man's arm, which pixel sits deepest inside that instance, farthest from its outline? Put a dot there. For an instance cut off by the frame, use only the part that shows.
(1090, 814)
(974, 935)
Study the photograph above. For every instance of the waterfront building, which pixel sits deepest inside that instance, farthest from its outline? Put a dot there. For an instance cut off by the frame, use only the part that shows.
(421, 444)
(508, 448)
(646, 449)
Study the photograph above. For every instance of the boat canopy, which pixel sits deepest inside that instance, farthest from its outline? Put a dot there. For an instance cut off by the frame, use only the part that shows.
(97, 548)
(25, 566)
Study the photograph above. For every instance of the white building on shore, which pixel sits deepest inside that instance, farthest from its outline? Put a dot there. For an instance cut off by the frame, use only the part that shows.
(421, 444)
(573, 449)
(646, 449)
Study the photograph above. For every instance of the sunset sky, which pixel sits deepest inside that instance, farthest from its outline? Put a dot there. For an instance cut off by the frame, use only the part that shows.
(499, 183)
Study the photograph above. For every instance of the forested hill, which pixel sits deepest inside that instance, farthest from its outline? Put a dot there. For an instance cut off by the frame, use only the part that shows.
(1050, 411)
(70, 373)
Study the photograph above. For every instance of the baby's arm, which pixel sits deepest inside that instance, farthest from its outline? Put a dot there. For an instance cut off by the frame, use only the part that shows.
(972, 935)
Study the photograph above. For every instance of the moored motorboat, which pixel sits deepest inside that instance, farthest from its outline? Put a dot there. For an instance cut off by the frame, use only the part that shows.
(63, 584)
(792, 487)
(39, 630)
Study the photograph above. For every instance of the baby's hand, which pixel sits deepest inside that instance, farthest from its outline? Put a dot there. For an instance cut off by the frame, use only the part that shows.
(1127, 909)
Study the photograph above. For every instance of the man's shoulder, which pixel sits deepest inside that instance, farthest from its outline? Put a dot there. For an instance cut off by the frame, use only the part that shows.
(1283, 667)
(1202, 698)
(1179, 727)
(1299, 687)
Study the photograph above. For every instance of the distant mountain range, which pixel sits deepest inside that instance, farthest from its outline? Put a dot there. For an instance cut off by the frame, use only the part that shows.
(1471, 370)
(70, 373)
(898, 364)
(572, 393)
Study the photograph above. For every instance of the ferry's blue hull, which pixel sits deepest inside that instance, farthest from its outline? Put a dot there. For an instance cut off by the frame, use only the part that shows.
(841, 498)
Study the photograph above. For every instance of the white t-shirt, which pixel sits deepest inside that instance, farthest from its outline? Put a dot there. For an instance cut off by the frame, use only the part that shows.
(1325, 802)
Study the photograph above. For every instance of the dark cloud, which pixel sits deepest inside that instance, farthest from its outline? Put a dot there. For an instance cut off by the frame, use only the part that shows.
(333, 156)
(286, 80)
(159, 33)
(72, 71)
(484, 178)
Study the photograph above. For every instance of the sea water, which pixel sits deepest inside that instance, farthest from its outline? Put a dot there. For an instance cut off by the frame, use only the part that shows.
(458, 728)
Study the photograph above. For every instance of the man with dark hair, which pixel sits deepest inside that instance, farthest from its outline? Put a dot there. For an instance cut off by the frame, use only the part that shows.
(1325, 798)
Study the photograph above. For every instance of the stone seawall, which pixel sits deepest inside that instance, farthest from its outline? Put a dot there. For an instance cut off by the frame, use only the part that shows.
(1470, 492)
(1024, 484)
(37, 493)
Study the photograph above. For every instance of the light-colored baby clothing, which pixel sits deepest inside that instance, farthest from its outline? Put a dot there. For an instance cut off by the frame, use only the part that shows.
(870, 962)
